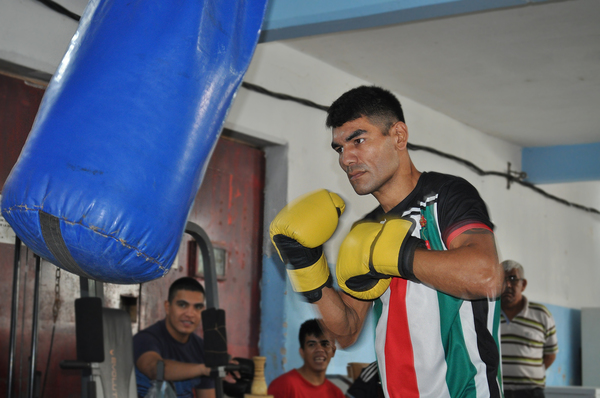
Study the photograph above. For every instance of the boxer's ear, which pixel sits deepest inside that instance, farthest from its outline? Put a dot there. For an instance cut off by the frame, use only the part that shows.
(400, 132)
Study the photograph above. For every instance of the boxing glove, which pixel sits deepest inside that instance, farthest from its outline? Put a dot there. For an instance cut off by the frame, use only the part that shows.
(373, 252)
(298, 233)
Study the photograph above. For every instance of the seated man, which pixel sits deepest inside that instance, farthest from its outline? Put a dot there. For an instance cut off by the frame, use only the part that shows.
(173, 341)
(308, 381)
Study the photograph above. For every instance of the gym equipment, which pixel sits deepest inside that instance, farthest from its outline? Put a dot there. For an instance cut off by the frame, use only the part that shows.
(13, 317)
(104, 350)
(215, 338)
(212, 298)
(103, 335)
(105, 182)
(243, 383)
(33, 384)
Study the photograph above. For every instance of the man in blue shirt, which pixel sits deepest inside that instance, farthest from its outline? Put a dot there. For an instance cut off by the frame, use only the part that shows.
(173, 341)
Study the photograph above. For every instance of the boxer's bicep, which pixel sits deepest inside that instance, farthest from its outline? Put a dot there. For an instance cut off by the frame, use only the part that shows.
(469, 269)
(480, 238)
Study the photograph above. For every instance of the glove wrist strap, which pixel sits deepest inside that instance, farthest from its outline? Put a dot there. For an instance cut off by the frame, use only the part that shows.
(406, 258)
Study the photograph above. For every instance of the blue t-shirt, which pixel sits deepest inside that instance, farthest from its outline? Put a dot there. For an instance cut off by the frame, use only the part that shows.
(157, 338)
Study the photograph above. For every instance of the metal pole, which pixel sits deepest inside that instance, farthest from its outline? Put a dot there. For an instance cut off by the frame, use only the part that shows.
(34, 326)
(210, 278)
(13, 316)
(208, 259)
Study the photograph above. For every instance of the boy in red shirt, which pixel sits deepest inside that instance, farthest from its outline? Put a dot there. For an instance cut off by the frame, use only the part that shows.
(309, 381)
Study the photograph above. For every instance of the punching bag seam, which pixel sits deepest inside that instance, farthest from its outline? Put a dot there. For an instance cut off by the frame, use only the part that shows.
(47, 220)
(61, 254)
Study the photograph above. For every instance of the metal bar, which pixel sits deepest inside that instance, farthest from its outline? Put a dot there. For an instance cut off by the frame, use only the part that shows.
(210, 278)
(91, 288)
(208, 258)
(13, 316)
(34, 325)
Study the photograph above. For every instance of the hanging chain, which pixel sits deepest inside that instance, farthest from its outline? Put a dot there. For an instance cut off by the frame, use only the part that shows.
(56, 306)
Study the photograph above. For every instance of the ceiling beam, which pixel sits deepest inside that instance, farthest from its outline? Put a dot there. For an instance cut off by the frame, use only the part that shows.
(288, 19)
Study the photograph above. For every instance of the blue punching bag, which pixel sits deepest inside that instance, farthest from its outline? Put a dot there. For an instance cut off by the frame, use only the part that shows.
(109, 172)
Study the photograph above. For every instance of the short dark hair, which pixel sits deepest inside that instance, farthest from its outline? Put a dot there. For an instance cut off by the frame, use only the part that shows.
(185, 283)
(375, 103)
(309, 327)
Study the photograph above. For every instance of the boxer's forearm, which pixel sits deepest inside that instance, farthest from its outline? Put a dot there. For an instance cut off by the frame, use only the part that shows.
(342, 315)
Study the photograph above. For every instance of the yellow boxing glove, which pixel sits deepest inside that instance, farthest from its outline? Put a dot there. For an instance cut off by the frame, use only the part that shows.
(373, 252)
(298, 233)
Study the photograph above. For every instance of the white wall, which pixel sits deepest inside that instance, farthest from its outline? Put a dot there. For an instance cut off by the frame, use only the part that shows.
(559, 246)
(33, 35)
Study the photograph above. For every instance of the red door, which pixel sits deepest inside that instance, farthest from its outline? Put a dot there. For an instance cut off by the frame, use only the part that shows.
(229, 208)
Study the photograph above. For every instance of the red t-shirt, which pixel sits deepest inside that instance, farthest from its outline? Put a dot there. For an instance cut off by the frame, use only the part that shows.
(293, 385)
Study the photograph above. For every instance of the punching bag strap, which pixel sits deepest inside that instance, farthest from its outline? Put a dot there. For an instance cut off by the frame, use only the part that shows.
(53, 237)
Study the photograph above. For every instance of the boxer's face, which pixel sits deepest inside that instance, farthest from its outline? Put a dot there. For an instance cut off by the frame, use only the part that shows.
(369, 158)
(317, 352)
(184, 314)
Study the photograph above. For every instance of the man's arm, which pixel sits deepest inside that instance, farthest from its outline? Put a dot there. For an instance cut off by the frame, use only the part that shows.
(205, 393)
(342, 315)
(469, 269)
(549, 360)
(174, 370)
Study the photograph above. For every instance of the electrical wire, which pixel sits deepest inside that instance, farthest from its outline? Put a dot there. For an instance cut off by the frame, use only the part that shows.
(60, 9)
(284, 97)
(511, 178)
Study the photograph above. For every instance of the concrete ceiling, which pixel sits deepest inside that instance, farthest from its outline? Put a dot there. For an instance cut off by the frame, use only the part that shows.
(529, 75)
(526, 71)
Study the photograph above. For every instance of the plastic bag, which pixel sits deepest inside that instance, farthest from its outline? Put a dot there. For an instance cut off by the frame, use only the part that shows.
(161, 389)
